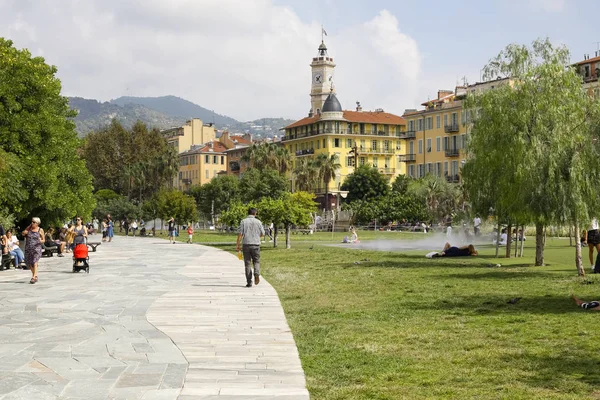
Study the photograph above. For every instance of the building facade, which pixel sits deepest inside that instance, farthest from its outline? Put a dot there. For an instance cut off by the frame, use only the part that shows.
(367, 137)
(437, 135)
(193, 133)
(589, 69)
(200, 164)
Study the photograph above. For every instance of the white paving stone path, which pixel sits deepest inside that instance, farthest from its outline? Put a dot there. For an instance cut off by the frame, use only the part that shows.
(152, 320)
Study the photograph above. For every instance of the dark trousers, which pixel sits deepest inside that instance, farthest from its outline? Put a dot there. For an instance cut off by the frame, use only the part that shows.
(251, 256)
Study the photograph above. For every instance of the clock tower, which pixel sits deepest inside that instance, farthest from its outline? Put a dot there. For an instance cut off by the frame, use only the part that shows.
(322, 68)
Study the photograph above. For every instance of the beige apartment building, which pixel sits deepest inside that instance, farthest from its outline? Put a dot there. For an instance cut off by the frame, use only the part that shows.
(194, 132)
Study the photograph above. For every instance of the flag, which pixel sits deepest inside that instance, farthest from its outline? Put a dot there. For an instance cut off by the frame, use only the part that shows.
(324, 31)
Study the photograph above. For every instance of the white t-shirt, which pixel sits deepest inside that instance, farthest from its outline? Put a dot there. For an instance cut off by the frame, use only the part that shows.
(477, 222)
(594, 224)
(134, 225)
(13, 243)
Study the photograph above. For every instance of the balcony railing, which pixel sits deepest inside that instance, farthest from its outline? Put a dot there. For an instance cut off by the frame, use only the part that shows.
(387, 171)
(186, 181)
(452, 152)
(305, 152)
(452, 128)
(380, 150)
(407, 158)
(407, 135)
(453, 178)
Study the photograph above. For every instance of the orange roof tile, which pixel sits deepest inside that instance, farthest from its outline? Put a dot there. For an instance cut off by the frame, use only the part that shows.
(217, 147)
(595, 59)
(240, 139)
(377, 117)
(304, 121)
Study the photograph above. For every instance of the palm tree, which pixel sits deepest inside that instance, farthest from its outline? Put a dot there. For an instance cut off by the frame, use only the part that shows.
(328, 167)
(283, 159)
(307, 174)
(257, 155)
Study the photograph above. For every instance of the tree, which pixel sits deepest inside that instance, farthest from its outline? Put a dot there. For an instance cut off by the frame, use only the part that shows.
(268, 155)
(256, 184)
(236, 213)
(38, 142)
(306, 174)
(328, 167)
(365, 183)
(134, 163)
(400, 184)
(217, 195)
(288, 210)
(535, 140)
(173, 203)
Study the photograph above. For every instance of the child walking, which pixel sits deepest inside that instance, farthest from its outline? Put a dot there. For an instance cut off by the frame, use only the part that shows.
(190, 232)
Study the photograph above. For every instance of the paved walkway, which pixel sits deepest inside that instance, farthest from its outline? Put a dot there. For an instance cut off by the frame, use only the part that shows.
(152, 320)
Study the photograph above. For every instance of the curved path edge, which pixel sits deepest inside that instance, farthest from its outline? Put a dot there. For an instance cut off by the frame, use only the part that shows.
(236, 339)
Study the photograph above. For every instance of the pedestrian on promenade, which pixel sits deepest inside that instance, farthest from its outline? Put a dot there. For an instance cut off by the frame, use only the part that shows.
(134, 227)
(110, 228)
(33, 247)
(172, 230)
(190, 232)
(80, 231)
(248, 240)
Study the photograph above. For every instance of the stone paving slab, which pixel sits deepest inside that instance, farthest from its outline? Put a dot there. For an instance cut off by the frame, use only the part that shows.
(152, 321)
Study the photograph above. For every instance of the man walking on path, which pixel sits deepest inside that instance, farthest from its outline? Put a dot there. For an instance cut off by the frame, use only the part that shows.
(249, 234)
(477, 225)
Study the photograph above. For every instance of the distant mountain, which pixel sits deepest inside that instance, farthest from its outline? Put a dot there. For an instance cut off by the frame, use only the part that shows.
(163, 112)
(177, 107)
(94, 115)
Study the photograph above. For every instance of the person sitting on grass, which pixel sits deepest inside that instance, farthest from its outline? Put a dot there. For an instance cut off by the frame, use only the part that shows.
(453, 251)
(592, 305)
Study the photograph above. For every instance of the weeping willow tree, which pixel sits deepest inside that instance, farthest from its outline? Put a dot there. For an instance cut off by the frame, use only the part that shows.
(533, 149)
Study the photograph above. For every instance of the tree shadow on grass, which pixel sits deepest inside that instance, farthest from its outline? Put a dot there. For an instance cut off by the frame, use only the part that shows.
(496, 304)
(558, 370)
(502, 274)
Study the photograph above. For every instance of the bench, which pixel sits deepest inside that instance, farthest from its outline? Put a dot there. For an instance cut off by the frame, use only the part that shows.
(49, 250)
(93, 245)
(7, 261)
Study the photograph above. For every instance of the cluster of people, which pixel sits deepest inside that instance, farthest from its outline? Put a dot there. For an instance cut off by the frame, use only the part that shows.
(37, 241)
(131, 226)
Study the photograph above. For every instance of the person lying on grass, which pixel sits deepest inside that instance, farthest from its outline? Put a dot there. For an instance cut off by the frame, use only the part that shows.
(453, 251)
(592, 305)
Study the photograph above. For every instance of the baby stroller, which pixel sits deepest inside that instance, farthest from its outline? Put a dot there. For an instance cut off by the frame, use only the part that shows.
(80, 258)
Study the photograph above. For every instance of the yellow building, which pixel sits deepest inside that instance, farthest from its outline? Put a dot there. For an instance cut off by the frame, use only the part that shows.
(194, 132)
(378, 136)
(200, 164)
(437, 135)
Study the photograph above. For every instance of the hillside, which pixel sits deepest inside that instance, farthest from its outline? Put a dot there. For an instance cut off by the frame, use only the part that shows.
(162, 112)
(94, 115)
(177, 107)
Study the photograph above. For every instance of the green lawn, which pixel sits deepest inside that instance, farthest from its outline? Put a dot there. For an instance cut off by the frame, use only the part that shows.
(400, 326)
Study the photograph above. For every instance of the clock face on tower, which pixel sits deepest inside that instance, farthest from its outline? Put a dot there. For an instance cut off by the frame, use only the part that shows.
(317, 78)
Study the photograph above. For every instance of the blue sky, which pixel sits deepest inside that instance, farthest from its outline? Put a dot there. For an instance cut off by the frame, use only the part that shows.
(457, 38)
(250, 59)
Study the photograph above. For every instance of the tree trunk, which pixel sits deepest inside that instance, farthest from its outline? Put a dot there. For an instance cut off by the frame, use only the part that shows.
(570, 236)
(578, 262)
(288, 230)
(516, 240)
(508, 240)
(275, 235)
(540, 243)
(498, 239)
(522, 241)
(327, 206)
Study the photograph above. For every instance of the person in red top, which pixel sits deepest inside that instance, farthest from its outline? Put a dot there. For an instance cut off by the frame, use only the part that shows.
(190, 232)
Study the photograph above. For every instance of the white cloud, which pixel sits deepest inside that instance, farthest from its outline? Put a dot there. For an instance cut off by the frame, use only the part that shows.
(246, 59)
(550, 5)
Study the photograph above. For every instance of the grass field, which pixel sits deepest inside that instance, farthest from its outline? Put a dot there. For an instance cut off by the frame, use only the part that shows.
(391, 325)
